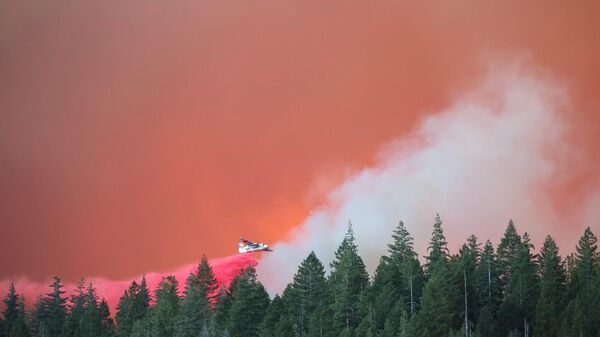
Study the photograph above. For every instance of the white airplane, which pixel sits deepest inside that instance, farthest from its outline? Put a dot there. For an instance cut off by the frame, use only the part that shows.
(246, 246)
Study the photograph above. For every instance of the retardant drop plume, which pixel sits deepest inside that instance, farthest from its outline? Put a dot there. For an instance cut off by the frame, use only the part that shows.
(225, 270)
(494, 154)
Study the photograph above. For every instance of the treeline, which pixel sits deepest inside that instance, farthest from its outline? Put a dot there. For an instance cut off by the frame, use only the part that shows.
(482, 291)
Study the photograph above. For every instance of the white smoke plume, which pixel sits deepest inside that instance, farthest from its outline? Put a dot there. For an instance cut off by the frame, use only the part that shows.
(487, 158)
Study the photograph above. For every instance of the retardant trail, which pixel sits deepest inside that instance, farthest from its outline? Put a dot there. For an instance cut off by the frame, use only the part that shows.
(225, 269)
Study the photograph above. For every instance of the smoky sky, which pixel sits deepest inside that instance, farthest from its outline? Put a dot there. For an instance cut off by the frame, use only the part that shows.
(136, 136)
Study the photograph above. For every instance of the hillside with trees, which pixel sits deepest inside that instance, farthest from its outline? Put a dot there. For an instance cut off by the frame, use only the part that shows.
(511, 290)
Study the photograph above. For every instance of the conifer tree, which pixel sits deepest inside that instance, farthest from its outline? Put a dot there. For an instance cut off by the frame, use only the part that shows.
(438, 300)
(20, 327)
(38, 319)
(507, 251)
(165, 312)
(488, 284)
(306, 291)
(249, 305)
(406, 274)
(125, 310)
(520, 296)
(275, 322)
(141, 302)
(194, 308)
(76, 311)
(223, 305)
(11, 310)
(108, 325)
(582, 315)
(348, 279)
(207, 282)
(464, 268)
(55, 309)
(436, 314)
(552, 290)
(438, 249)
(91, 321)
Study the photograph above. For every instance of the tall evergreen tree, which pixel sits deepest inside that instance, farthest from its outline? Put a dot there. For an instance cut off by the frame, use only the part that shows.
(249, 306)
(438, 300)
(11, 310)
(306, 291)
(124, 317)
(108, 325)
(76, 311)
(489, 293)
(507, 251)
(518, 308)
(20, 326)
(582, 315)
(438, 249)
(406, 274)
(166, 310)
(91, 322)
(348, 279)
(55, 309)
(207, 282)
(552, 289)
(276, 323)
(194, 308)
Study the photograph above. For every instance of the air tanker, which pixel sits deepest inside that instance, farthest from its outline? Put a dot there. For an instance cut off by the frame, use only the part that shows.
(246, 246)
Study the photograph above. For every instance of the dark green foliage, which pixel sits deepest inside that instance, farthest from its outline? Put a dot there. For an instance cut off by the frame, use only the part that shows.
(91, 322)
(133, 306)
(55, 310)
(552, 290)
(306, 292)
(348, 279)
(276, 323)
(207, 283)
(438, 249)
(520, 296)
(108, 325)
(194, 308)
(11, 310)
(507, 251)
(250, 302)
(488, 289)
(76, 311)
(435, 317)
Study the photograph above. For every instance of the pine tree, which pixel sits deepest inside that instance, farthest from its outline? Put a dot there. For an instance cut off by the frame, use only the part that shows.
(489, 293)
(348, 279)
(435, 317)
(406, 274)
(76, 311)
(108, 325)
(507, 251)
(582, 316)
(207, 282)
(306, 291)
(166, 310)
(464, 268)
(552, 290)
(20, 327)
(91, 322)
(275, 322)
(518, 308)
(223, 305)
(249, 306)
(438, 300)
(55, 309)
(141, 302)
(38, 319)
(11, 310)
(438, 249)
(125, 308)
(194, 308)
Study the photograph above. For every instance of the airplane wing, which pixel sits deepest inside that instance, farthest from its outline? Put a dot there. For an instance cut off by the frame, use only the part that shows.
(246, 241)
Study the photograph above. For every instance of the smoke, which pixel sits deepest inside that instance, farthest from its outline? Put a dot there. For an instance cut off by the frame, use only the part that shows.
(225, 270)
(493, 155)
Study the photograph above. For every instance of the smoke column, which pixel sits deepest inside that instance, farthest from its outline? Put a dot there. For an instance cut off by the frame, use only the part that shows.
(225, 270)
(491, 156)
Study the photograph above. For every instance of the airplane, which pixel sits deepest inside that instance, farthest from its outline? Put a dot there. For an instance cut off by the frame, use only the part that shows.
(246, 246)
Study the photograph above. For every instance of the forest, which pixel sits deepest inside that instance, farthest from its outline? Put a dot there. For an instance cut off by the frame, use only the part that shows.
(483, 291)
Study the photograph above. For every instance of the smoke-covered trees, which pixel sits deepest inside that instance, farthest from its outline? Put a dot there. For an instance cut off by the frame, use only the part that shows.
(478, 292)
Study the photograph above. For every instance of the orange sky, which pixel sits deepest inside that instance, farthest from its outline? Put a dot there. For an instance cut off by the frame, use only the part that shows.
(138, 135)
